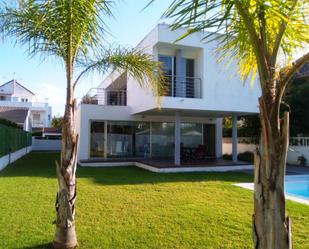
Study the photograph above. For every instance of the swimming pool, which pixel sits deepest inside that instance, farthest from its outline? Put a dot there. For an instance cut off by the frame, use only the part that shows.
(297, 185)
(296, 188)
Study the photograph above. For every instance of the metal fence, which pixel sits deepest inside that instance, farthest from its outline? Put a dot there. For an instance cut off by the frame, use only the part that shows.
(100, 96)
(13, 139)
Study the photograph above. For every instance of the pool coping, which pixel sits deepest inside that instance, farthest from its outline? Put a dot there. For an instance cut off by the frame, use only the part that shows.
(250, 186)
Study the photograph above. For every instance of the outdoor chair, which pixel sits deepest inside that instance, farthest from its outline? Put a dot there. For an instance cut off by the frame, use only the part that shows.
(200, 152)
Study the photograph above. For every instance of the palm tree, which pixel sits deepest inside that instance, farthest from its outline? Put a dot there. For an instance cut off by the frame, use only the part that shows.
(262, 35)
(72, 30)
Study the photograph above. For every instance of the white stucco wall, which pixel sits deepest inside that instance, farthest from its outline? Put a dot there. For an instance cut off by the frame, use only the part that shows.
(241, 147)
(45, 115)
(222, 88)
(88, 113)
(223, 92)
(46, 144)
(295, 151)
(15, 100)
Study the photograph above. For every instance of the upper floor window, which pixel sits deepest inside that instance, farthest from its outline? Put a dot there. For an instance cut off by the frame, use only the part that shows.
(179, 76)
(24, 100)
(36, 118)
(167, 64)
(2, 98)
(170, 68)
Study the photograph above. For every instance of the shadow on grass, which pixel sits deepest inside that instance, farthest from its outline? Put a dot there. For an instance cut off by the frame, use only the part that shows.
(43, 165)
(42, 246)
(35, 164)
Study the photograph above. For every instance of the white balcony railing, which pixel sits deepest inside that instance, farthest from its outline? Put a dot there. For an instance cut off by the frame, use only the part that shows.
(182, 86)
(100, 96)
(175, 86)
(23, 104)
(299, 141)
(38, 124)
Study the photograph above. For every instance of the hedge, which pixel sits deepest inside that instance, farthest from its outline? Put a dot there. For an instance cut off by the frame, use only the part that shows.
(244, 156)
(12, 138)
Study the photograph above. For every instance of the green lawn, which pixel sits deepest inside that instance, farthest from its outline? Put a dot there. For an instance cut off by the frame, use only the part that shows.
(131, 208)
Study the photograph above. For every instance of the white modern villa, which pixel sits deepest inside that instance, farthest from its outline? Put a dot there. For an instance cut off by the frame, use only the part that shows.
(121, 120)
(14, 98)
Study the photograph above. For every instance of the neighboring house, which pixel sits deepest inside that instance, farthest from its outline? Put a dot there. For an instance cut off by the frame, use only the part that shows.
(17, 115)
(121, 119)
(13, 94)
(51, 133)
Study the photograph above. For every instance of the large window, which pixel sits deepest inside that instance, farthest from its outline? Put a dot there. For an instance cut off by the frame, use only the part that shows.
(119, 139)
(180, 81)
(97, 139)
(163, 140)
(145, 139)
(128, 139)
(142, 140)
(191, 135)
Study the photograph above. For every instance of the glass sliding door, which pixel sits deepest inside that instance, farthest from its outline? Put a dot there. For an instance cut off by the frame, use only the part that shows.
(191, 135)
(128, 139)
(97, 139)
(163, 140)
(142, 139)
(119, 139)
(210, 139)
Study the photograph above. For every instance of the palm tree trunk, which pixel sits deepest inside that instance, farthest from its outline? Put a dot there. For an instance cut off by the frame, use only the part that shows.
(65, 236)
(271, 226)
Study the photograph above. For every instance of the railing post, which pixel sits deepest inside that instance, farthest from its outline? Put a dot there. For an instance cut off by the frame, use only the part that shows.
(172, 85)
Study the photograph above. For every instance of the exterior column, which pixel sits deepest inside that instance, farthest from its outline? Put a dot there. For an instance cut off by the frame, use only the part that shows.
(177, 139)
(105, 139)
(234, 138)
(150, 141)
(180, 75)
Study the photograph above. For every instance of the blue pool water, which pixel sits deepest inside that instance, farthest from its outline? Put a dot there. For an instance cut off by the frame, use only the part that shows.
(297, 185)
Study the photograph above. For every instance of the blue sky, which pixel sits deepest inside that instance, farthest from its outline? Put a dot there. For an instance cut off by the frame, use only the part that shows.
(47, 78)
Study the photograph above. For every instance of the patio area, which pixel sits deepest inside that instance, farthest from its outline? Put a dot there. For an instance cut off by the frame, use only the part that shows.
(168, 165)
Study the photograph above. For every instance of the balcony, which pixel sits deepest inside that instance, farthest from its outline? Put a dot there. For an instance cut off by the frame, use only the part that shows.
(184, 87)
(38, 124)
(100, 96)
(23, 104)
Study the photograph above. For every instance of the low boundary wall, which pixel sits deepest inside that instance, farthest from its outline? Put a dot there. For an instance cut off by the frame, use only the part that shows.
(46, 144)
(12, 157)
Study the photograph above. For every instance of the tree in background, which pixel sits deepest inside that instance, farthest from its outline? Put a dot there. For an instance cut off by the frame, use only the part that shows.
(297, 100)
(72, 31)
(250, 126)
(263, 37)
(57, 121)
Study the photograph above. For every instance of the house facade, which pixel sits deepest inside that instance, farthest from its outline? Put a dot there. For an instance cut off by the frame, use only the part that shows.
(121, 119)
(15, 95)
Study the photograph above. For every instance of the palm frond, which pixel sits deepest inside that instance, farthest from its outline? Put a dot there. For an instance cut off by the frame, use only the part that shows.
(276, 27)
(136, 63)
(56, 27)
